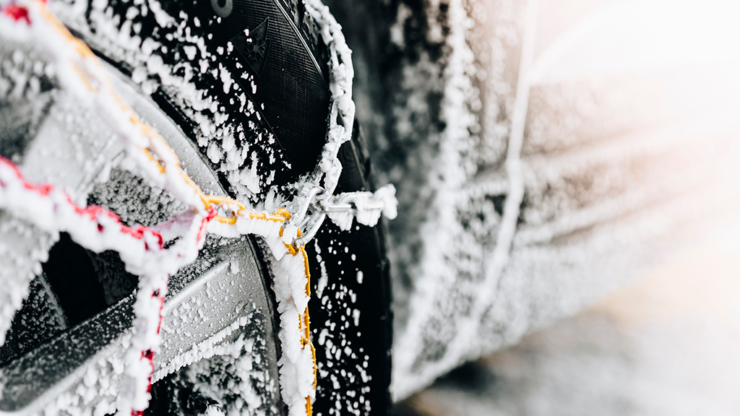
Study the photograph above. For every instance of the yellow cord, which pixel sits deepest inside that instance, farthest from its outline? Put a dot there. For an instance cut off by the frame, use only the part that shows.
(225, 203)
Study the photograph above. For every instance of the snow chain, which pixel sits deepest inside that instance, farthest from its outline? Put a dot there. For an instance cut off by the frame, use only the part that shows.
(154, 155)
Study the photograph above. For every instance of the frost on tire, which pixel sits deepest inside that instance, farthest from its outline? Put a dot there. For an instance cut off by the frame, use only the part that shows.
(161, 238)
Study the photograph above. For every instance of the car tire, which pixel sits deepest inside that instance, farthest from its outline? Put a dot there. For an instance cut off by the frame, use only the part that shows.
(284, 82)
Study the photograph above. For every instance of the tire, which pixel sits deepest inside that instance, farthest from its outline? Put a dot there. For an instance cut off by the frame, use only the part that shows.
(275, 116)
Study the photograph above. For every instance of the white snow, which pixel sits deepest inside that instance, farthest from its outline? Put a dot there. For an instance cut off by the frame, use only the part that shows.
(141, 248)
(367, 207)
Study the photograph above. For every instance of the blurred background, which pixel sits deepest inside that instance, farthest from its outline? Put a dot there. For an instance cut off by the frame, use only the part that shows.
(568, 174)
(665, 345)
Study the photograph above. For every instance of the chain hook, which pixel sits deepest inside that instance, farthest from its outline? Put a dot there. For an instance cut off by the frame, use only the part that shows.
(308, 200)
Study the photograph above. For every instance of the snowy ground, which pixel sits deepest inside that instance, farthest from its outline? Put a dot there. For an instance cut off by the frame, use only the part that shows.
(666, 345)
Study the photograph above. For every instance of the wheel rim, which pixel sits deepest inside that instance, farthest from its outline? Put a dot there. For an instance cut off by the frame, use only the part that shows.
(83, 364)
